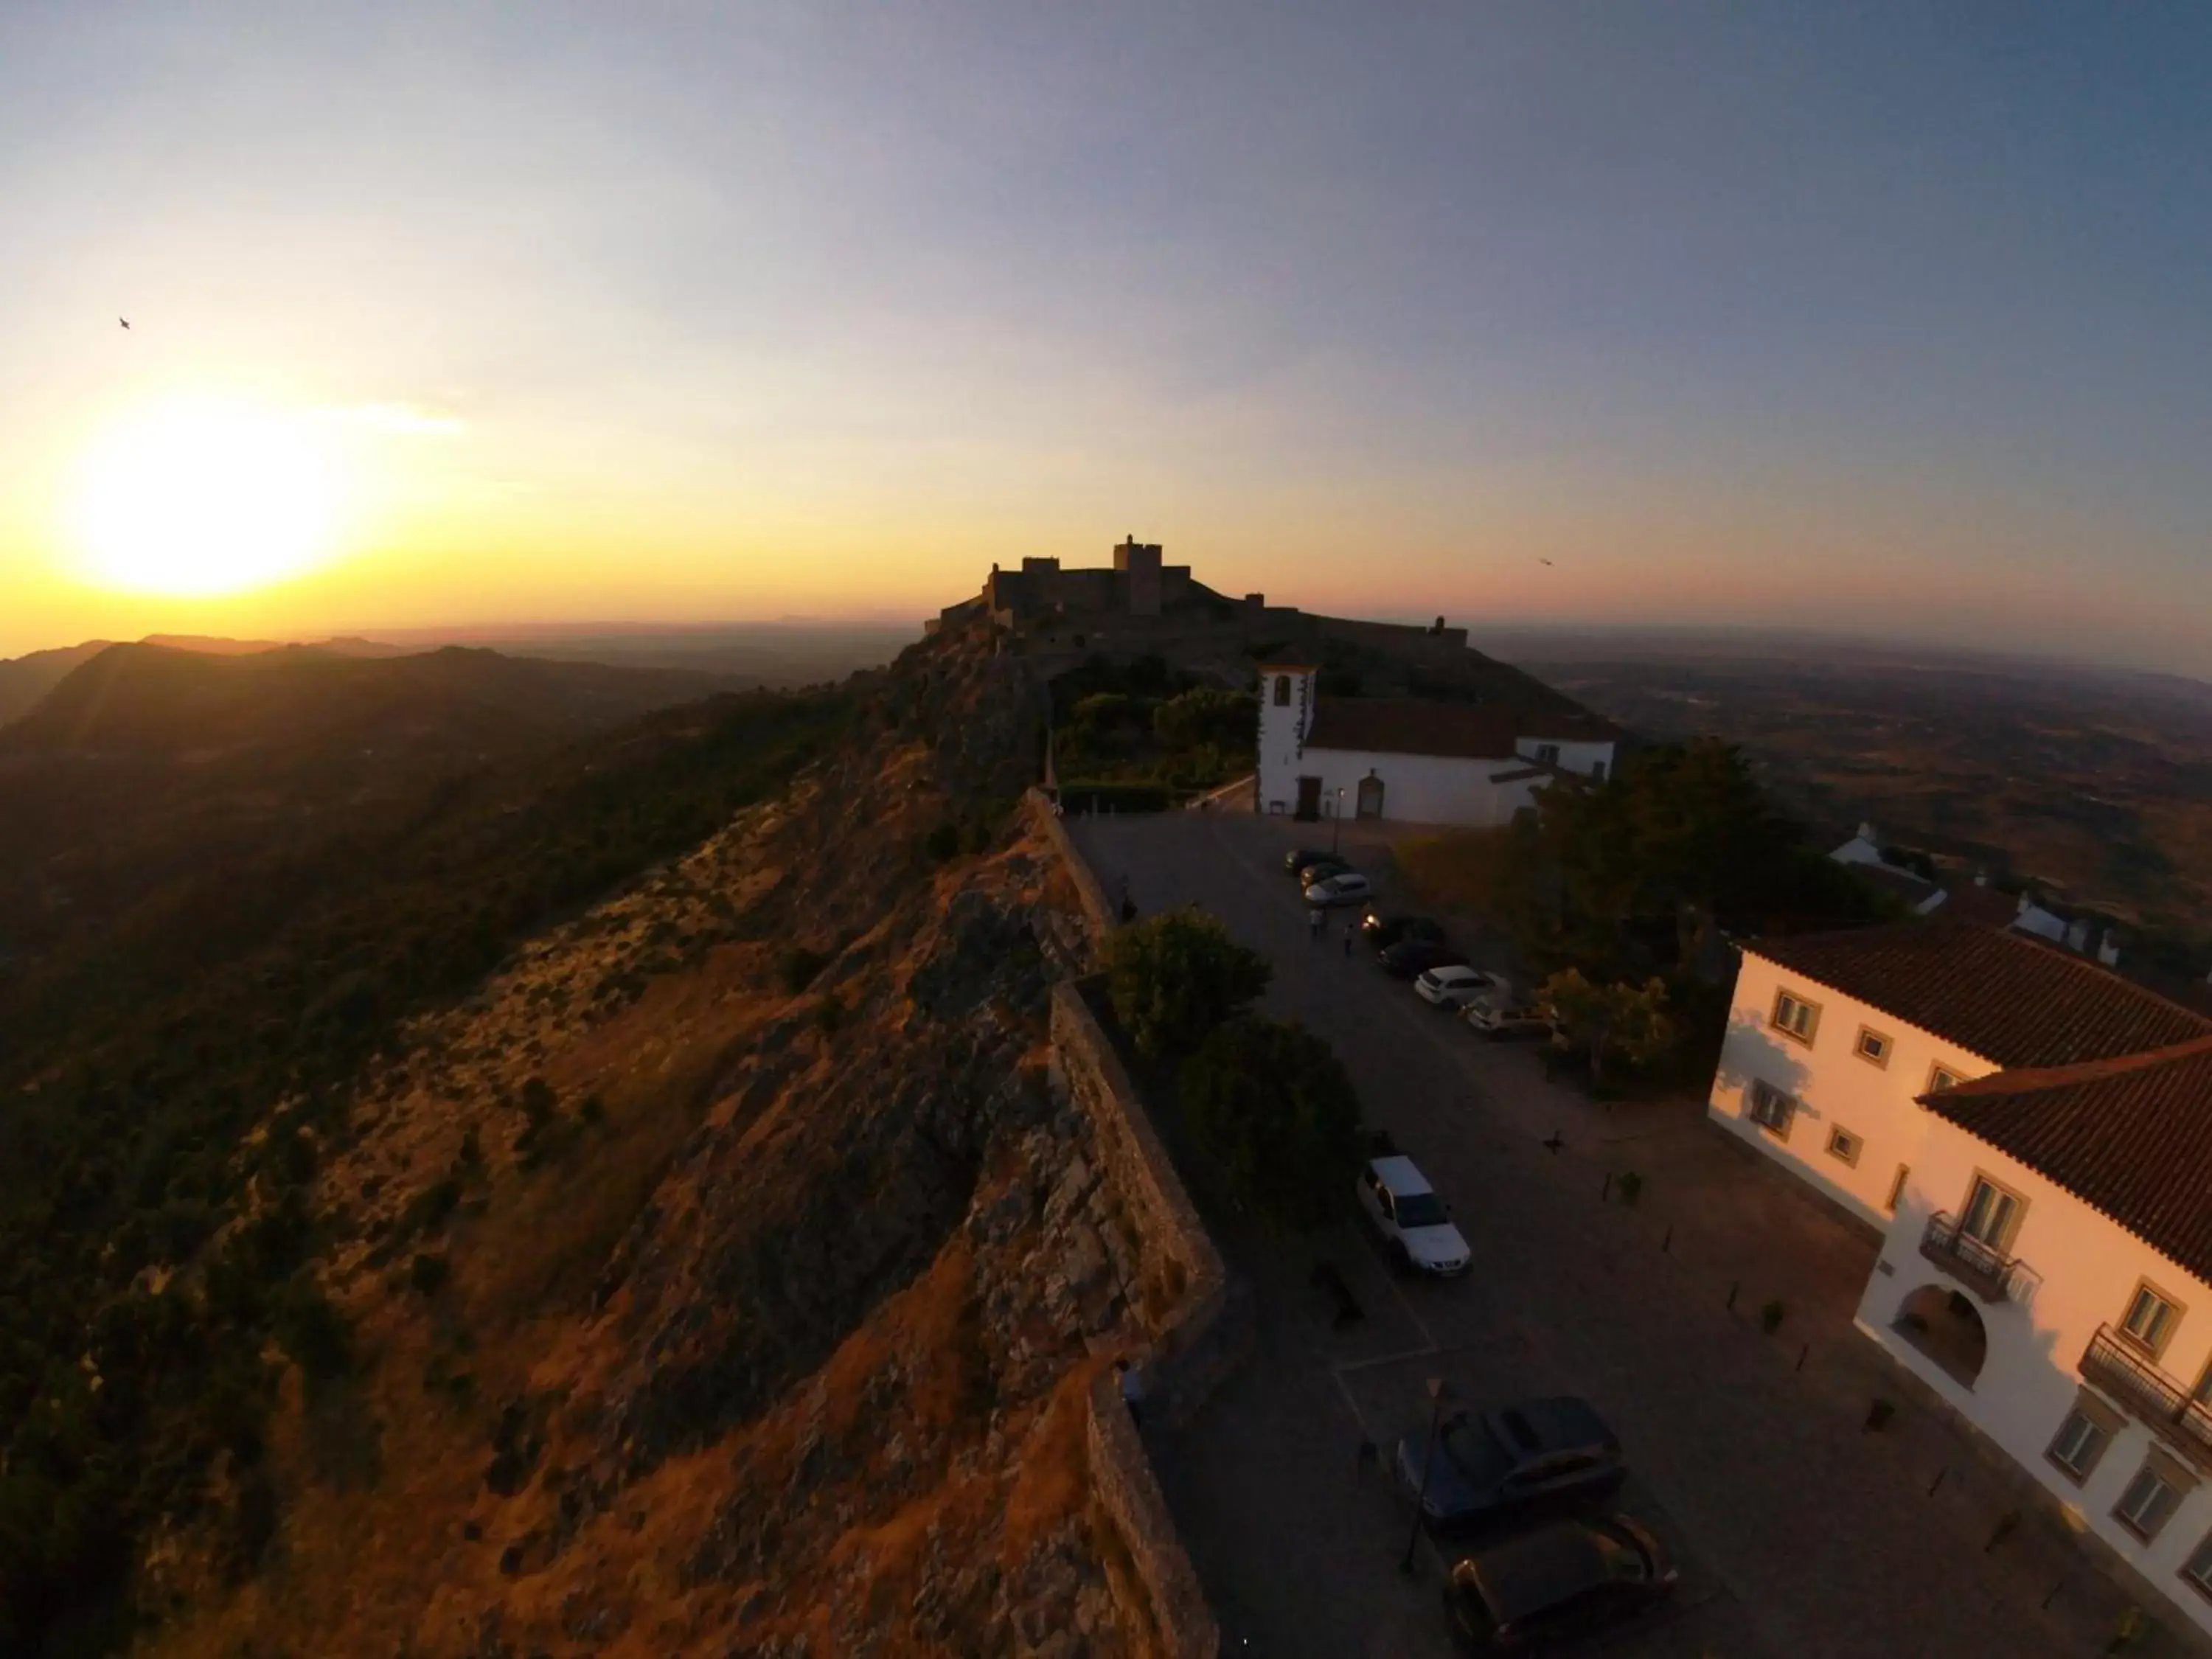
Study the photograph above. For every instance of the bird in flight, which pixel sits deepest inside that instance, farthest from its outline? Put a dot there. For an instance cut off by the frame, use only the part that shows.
(125, 321)
(1539, 561)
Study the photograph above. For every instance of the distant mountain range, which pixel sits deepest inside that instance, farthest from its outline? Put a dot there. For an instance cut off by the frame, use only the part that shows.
(733, 655)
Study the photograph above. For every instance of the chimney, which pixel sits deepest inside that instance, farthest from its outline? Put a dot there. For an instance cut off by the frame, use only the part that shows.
(1867, 835)
(2108, 948)
(2025, 905)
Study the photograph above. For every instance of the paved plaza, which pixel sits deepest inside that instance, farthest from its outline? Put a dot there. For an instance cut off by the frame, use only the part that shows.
(1800, 1533)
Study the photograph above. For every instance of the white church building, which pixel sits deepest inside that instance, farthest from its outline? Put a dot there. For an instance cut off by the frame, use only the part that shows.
(1409, 760)
(2032, 1136)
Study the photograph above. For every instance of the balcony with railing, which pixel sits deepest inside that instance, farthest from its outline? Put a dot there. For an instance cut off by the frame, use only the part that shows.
(1978, 1265)
(2135, 1384)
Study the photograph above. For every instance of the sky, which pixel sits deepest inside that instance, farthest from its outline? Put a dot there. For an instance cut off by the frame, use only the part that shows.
(1887, 318)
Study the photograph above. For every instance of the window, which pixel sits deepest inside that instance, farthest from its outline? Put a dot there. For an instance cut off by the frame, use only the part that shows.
(1871, 1046)
(2148, 1503)
(2081, 1441)
(1897, 1188)
(1941, 1078)
(1282, 690)
(1992, 1214)
(1795, 1016)
(2150, 1320)
(2197, 1570)
(1770, 1108)
(1547, 754)
(1845, 1146)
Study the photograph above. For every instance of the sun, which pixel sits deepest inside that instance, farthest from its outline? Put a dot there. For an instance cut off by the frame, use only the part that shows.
(203, 497)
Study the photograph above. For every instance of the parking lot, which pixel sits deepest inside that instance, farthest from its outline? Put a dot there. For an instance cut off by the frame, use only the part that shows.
(1798, 1532)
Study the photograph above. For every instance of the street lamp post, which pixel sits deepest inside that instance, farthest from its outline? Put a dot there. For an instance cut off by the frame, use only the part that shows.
(1437, 1394)
(1336, 824)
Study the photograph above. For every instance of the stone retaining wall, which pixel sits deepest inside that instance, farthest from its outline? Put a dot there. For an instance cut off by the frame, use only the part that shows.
(1097, 914)
(1203, 1329)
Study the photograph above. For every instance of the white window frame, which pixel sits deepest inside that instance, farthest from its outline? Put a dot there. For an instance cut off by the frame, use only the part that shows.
(2155, 1345)
(2008, 1228)
(1759, 1099)
(1951, 1080)
(2149, 1482)
(1849, 1159)
(2198, 1569)
(1889, 1046)
(2092, 1440)
(1810, 1011)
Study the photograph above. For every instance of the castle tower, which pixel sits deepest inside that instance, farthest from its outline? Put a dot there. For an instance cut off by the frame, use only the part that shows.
(1141, 563)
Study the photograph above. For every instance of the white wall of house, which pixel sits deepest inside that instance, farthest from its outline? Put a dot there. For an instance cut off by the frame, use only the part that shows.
(2081, 1271)
(1421, 788)
(1833, 1086)
(1585, 757)
(1283, 725)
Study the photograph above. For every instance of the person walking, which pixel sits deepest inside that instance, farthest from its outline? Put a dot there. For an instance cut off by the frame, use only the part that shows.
(1132, 1391)
(1350, 932)
(1316, 918)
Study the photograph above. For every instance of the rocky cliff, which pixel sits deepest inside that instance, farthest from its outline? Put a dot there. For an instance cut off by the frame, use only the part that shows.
(724, 1278)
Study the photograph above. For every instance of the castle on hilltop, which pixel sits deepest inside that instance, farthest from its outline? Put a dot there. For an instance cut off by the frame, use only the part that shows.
(1139, 606)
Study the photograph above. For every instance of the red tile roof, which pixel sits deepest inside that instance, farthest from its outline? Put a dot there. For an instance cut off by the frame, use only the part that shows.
(2131, 1136)
(2012, 1000)
(1409, 726)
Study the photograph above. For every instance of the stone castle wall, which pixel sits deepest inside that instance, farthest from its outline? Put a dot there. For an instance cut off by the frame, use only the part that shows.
(1201, 1323)
(1198, 1338)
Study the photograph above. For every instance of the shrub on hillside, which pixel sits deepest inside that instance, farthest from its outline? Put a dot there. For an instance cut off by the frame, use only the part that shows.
(1175, 977)
(1271, 1105)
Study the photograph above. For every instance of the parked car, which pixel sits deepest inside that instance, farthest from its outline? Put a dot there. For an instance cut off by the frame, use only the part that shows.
(1298, 857)
(1410, 956)
(1348, 888)
(1561, 1580)
(1382, 932)
(1415, 1223)
(1453, 985)
(1548, 1457)
(1320, 869)
(1500, 1018)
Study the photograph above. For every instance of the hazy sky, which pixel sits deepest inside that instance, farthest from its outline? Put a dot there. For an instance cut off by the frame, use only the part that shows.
(1892, 319)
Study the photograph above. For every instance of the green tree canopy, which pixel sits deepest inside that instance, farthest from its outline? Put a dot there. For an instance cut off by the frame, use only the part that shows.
(1272, 1106)
(1224, 720)
(1619, 1021)
(1174, 978)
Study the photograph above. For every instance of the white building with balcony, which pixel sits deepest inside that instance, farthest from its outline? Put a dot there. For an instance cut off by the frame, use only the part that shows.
(1413, 761)
(2032, 1136)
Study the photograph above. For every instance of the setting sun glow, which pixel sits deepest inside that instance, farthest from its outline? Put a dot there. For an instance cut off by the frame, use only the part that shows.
(204, 498)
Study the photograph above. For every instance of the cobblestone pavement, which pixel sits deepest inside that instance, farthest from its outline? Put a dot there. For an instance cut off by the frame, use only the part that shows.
(1802, 1533)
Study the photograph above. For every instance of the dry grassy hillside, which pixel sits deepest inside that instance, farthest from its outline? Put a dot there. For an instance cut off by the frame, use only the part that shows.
(723, 1278)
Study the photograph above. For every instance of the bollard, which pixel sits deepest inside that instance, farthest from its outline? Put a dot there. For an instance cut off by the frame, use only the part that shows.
(1802, 1354)
(2008, 1523)
(2053, 1595)
(1938, 1480)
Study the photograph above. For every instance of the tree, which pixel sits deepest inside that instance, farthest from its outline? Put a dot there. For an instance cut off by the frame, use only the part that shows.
(1272, 1106)
(1174, 977)
(1616, 1020)
(1228, 720)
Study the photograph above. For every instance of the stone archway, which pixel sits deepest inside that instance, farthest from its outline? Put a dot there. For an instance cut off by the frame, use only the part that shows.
(1944, 1324)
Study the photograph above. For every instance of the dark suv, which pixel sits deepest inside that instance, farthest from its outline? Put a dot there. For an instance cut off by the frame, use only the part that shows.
(1382, 932)
(1560, 1580)
(1547, 1457)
